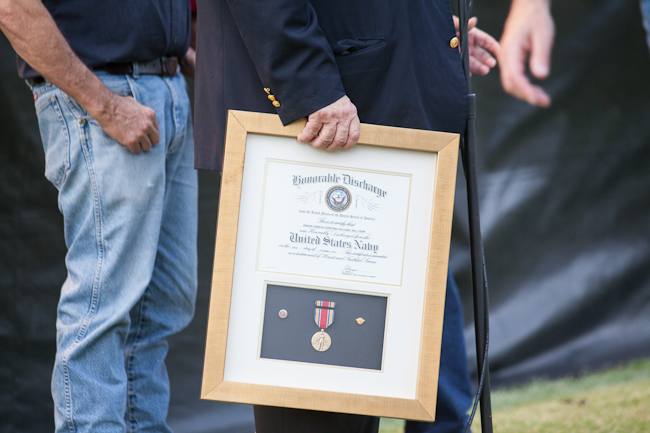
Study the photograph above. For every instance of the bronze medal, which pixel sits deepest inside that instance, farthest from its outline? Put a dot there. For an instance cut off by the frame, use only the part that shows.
(321, 341)
(324, 317)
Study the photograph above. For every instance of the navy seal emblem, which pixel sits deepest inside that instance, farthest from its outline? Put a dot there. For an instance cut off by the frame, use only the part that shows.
(338, 198)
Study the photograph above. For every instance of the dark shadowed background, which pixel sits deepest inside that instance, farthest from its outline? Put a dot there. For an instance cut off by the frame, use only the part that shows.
(565, 204)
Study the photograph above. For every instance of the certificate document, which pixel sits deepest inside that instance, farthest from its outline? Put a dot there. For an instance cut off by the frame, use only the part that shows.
(333, 222)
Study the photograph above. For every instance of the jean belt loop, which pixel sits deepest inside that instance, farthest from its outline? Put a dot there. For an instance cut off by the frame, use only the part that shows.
(136, 70)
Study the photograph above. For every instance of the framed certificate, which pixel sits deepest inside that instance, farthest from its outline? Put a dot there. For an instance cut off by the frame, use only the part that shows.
(330, 270)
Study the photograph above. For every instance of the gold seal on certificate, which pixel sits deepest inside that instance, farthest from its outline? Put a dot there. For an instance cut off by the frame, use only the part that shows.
(323, 316)
(338, 198)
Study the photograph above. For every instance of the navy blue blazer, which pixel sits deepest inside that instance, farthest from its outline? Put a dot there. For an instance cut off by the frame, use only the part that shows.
(393, 58)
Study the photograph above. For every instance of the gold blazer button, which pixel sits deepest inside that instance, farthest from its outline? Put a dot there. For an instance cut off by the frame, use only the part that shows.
(454, 42)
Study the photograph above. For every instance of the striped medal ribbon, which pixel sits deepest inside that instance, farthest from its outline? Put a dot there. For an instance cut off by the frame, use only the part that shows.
(323, 316)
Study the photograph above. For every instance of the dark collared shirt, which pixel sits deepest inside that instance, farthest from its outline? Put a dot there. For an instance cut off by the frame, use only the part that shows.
(116, 31)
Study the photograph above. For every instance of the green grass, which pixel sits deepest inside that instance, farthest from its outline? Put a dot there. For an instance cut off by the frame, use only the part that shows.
(614, 400)
(390, 425)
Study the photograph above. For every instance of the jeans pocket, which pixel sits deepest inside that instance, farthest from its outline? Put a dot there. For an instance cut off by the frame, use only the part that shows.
(117, 84)
(77, 110)
(56, 138)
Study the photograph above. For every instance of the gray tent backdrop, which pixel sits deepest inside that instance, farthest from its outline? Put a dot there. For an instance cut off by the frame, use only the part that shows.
(565, 197)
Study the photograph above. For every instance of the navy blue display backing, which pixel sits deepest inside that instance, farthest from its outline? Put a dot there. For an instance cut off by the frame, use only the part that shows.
(353, 345)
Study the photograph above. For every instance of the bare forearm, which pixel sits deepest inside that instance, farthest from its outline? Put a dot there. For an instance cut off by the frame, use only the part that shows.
(36, 38)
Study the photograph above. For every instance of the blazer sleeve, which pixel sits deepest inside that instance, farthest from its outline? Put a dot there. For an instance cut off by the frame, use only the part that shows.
(291, 54)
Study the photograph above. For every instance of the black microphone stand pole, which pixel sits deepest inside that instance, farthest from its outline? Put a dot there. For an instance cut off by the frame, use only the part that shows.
(479, 280)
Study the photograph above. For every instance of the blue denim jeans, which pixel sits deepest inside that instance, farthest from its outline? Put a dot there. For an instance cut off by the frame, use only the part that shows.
(130, 228)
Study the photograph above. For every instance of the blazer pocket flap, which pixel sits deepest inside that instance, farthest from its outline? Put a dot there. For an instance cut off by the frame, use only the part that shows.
(360, 55)
(346, 47)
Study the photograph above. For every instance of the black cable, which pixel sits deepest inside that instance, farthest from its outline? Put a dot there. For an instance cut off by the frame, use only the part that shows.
(480, 295)
(479, 391)
(486, 312)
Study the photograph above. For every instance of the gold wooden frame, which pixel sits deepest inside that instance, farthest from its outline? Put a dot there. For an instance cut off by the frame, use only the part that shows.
(423, 407)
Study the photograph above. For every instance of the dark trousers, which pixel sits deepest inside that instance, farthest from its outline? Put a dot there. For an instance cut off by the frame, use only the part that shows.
(454, 388)
(283, 420)
(454, 392)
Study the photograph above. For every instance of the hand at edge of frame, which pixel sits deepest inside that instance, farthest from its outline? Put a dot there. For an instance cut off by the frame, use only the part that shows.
(527, 38)
(188, 63)
(483, 48)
